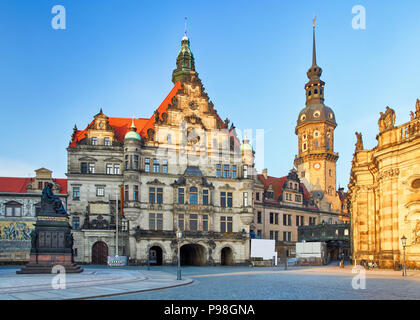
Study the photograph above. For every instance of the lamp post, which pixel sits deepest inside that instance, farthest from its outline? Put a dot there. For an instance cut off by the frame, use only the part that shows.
(285, 258)
(148, 256)
(178, 271)
(404, 243)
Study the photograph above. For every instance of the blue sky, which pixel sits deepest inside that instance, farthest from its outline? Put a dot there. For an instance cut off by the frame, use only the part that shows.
(252, 57)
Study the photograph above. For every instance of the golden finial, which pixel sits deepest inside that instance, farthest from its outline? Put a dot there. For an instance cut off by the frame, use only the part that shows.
(313, 22)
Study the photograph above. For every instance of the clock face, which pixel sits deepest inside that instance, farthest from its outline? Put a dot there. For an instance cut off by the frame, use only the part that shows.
(317, 166)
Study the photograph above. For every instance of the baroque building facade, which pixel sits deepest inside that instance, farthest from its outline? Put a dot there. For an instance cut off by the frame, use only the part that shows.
(183, 168)
(308, 194)
(384, 190)
(20, 201)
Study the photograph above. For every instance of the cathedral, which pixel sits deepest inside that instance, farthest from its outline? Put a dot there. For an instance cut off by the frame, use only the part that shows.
(384, 190)
(183, 168)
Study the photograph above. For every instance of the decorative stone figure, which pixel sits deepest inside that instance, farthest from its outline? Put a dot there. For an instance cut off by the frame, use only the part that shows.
(359, 143)
(386, 120)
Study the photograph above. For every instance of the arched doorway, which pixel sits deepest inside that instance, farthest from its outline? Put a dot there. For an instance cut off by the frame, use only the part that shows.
(193, 255)
(156, 255)
(99, 253)
(226, 258)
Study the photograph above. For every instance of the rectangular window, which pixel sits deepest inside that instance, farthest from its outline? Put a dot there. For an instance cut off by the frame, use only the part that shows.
(285, 219)
(100, 191)
(116, 169)
(289, 236)
(222, 224)
(298, 198)
(276, 235)
(289, 219)
(226, 171)
(94, 141)
(218, 170)
(205, 223)
(147, 164)
(284, 236)
(257, 196)
(181, 195)
(165, 166)
(259, 217)
(159, 221)
(259, 234)
(226, 224)
(271, 235)
(229, 200)
(234, 172)
(152, 221)
(40, 185)
(245, 171)
(276, 218)
(223, 199)
(107, 142)
(245, 199)
(136, 162)
(181, 222)
(126, 191)
(156, 165)
(136, 193)
(91, 168)
(205, 197)
(84, 167)
(76, 223)
(109, 168)
(159, 195)
(271, 218)
(76, 193)
(193, 222)
(126, 162)
(152, 195)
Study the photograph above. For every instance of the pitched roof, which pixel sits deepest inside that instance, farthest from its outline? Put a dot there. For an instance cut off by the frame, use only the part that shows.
(277, 186)
(122, 125)
(18, 185)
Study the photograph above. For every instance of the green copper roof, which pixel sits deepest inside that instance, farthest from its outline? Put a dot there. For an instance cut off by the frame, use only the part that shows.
(132, 135)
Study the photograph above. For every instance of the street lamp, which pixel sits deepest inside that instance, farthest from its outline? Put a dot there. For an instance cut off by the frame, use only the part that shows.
(178, 271)
(404, 243)
(148, 256)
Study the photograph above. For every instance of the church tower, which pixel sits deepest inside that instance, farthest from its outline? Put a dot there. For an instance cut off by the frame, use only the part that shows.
(316, 159)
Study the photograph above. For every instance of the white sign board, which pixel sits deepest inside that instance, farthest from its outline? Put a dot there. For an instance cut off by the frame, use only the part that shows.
(262, 248)
(310, 249)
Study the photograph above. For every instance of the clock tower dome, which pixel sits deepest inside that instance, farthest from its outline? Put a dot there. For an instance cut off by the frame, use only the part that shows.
(316, 159)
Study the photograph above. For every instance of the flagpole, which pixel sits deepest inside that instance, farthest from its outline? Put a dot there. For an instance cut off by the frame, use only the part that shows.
(116, 221)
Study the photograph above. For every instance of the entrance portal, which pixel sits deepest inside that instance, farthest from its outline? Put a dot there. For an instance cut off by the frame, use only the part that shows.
(156, 255)
(193, 255)
(226, 256)
(99, 253)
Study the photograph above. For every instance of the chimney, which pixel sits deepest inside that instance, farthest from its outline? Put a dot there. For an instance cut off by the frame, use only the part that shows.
(264, 172)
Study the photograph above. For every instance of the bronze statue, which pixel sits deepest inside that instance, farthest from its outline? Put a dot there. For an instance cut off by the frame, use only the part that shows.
(359, 143)
(49, 197)
(412, 116)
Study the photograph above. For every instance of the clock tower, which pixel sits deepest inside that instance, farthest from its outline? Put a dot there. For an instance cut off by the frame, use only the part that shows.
(316, 159)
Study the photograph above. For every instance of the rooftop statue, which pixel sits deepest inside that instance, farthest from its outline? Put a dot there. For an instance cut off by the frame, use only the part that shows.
(386, 120)
(49, 198)
(359, 143)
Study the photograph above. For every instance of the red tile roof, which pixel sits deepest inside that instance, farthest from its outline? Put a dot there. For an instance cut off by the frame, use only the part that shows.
(18, 185)
(277, 186)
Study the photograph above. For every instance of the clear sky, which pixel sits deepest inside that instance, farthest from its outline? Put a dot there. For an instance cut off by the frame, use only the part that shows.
(252, 57)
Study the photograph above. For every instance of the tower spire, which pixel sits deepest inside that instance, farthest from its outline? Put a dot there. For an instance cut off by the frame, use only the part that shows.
(185, 26)
(314, 47)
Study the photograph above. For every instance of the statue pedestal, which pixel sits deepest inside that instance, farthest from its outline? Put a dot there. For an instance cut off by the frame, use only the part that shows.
(52, 245)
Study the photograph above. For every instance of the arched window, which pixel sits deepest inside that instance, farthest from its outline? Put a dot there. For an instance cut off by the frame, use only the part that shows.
(309, 93)
(193, 195)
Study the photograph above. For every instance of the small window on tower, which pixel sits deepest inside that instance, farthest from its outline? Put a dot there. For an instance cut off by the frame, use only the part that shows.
(309, 93)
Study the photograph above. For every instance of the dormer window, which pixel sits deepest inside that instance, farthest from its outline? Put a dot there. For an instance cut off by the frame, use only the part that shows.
(94, 141)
